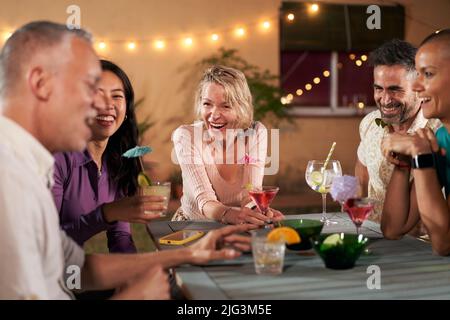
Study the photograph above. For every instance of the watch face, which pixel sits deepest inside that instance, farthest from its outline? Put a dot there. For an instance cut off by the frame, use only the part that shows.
(423, 161)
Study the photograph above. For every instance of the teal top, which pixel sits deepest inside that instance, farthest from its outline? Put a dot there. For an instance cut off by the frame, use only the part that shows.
(443, 138)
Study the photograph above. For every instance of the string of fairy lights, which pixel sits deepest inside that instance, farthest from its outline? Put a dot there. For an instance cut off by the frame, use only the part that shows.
(242, 31)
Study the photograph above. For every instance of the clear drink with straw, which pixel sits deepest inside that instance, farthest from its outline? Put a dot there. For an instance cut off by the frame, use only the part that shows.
(319, 175)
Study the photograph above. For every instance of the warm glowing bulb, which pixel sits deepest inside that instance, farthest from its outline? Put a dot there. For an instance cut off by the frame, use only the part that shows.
(102, 45)
(314, 8)
(308, 86)
(316, 80)
(266, 25)
(6, 35)
(290, 17)
(363, 57)
(299, 92)
(131, 45)
(352, 56)
(160, 44)
(188, 42)
(240, 32)
(214, 37)
(283, 100)
(326, 73)
(358, 63)
(361, 105)
(290, 96)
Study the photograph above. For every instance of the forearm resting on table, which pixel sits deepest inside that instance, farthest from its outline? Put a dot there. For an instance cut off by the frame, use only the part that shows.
(107, 271)
(398, 217)
(434, 209)
(214, 210)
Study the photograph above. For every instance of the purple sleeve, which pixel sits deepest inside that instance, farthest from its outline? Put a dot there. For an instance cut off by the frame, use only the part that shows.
(85, 226)
(119, 238)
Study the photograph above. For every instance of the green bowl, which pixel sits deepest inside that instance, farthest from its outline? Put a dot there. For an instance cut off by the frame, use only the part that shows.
(306, 229)
(341, 254)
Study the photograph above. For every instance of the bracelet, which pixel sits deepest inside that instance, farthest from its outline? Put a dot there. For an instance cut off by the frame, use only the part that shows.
(222, 218)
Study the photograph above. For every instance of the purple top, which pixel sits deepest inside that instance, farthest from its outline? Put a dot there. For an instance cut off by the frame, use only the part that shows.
(79, 192)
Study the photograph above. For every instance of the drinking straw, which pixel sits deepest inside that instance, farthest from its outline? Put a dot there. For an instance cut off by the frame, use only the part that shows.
(329, 156)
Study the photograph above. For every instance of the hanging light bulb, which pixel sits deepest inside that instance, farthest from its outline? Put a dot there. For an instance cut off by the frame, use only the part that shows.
(314, 8)
(214, 37)
(188, 41)
(160, 44)
(102, 45)
(265, 25)
(240, 32)
(131, 45)
(290, 17)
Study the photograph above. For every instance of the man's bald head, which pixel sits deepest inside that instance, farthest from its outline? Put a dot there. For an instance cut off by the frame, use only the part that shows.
(33, 41)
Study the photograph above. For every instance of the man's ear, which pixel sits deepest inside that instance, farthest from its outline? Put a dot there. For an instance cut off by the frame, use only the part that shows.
(40, 83)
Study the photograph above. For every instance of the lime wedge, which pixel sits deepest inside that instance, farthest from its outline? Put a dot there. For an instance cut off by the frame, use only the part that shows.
(316, 178)
(143, 180)
(331, 241)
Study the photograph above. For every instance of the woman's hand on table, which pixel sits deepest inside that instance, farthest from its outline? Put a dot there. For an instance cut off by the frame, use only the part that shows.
(246, 216)
(132, 209)
(220, 244)
(275, 215)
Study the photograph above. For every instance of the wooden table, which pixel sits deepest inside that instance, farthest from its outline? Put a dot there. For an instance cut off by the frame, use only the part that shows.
(408, 270)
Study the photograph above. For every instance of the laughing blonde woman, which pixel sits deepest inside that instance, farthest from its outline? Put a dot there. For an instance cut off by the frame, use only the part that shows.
(222, 153)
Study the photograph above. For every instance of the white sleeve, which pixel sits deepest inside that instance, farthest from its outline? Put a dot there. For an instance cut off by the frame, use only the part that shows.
(21, 265)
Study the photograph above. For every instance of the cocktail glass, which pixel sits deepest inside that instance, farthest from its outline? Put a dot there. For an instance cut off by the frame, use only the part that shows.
(263, 196)
(320, 179)
(358, 210)
(158, 188)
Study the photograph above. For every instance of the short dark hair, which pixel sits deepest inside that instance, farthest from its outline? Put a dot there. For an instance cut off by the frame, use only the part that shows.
(394, 52)
(26, 41)
(123, 172)
(440, 35)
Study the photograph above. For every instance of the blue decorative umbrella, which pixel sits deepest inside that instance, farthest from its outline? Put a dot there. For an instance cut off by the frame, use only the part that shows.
(137, 152)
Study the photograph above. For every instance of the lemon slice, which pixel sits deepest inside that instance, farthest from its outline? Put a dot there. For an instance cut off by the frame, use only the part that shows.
(316, 178)
(286, 234)
(143, 180)
(249, 186)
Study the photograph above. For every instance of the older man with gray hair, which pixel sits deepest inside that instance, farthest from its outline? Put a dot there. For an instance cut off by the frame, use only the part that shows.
(48, 88)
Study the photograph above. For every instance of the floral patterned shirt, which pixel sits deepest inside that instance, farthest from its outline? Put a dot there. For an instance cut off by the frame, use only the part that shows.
(369, 154)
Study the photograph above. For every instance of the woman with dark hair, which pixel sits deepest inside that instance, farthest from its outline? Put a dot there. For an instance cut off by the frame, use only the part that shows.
(428, 197)
(95, 190)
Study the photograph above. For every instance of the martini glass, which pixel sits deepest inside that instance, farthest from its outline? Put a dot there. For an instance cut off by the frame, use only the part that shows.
(263, 196)
(358, 210)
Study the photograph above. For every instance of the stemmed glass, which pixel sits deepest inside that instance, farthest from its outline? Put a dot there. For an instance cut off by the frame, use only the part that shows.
(358, 210)
(320, 179)
(263, 196)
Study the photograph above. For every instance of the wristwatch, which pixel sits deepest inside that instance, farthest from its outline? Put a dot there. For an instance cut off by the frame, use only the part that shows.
(422, 161)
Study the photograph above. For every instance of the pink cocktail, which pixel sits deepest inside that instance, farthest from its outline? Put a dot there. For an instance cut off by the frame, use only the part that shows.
(359, 209)
(263, 197)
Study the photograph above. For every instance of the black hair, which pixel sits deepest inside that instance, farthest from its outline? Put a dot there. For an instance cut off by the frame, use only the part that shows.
(123, 171)
(439, 35)
(394, 52)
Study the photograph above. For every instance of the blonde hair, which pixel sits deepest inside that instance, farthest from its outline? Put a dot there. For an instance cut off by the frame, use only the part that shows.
(237, 93)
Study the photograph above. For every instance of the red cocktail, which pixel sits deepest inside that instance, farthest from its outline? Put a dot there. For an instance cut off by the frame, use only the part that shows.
(263, 197)
(359, 209)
